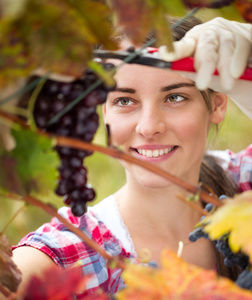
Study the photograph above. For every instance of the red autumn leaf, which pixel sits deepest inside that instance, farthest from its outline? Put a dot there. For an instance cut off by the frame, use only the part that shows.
(56, 284)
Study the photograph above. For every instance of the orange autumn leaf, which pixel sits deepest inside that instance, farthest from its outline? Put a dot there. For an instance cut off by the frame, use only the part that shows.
(176, 279)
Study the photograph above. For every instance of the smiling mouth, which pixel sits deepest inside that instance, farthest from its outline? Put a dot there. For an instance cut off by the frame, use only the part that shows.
(155, 153)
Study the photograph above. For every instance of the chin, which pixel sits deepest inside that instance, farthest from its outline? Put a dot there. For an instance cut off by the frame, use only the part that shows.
(154, 182)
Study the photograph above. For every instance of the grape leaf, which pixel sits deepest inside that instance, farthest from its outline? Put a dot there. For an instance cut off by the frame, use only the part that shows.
(59, 37)
(133, 17)
(233, 217)
(176, 279)
(139, 18)
(31, 166)
(10, 276)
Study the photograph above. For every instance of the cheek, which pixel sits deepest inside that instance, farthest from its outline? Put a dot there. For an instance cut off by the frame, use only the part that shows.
(193, 127)
(120, 128)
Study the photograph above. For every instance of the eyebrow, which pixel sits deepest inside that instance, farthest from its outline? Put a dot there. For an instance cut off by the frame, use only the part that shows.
(124, 90)
(164, 89)
(176, 86)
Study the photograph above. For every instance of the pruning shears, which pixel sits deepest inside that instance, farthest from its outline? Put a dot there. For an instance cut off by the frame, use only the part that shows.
(149, 56)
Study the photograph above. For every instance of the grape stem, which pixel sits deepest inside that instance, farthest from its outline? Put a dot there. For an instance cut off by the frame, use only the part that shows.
(116, 153)
(53, 212)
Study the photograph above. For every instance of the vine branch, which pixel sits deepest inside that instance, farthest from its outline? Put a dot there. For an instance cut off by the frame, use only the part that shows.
(53, 212)
(118, 154)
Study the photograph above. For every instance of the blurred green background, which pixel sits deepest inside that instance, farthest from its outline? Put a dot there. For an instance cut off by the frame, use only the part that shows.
(106, 174)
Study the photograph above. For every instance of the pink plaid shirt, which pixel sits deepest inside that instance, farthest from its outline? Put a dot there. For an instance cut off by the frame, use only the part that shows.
(65, 248)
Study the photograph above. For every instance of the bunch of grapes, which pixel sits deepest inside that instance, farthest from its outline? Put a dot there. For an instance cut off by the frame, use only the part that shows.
(222, 245)
(231, 259)
(244, 280)
(81, 122)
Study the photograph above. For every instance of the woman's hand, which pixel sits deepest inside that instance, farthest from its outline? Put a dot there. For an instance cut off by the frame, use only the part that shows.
(217, 44)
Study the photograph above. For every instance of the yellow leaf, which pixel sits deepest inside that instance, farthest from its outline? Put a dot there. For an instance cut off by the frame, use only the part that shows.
(234, 217)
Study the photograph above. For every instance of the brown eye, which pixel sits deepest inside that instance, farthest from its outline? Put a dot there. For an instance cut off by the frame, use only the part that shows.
(175, 98)
(124, 101)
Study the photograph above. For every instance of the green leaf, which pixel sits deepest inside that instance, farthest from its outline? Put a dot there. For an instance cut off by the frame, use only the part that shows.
(31, 167)
(58, 37)
(107, 76)
(173, 8)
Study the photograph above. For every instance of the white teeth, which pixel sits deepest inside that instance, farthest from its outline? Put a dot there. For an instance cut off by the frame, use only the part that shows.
(154, 153)
(149, 153)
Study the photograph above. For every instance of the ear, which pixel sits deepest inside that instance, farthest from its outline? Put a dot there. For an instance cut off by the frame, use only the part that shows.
(219, 107)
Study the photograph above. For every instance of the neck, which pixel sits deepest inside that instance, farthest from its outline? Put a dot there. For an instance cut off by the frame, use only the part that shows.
(157, 209)
(157, 219)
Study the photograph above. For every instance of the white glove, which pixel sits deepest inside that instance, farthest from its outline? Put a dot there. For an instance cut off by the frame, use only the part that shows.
(218, 44)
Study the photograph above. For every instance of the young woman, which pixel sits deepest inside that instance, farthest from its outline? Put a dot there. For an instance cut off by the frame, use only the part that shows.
(159, 117)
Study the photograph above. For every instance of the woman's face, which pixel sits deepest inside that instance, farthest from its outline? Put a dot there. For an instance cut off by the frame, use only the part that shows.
(159, 117)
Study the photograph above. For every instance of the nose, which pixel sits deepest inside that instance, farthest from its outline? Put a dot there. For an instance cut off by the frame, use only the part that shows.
(151, 122)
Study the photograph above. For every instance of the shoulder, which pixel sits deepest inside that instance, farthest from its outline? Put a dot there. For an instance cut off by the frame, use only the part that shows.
(64, 246)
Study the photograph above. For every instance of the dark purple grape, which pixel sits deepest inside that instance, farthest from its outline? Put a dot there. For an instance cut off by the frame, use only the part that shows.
(64, 151)
(65, 88)
(79, 179)
(57, 106)
(75, 162)
(41, 121)
(75, 195)
(88, 194)
(65, 172)
(78, 208)
(77, 90)
(52, 87)
(92, 123)
(93, 99)
(244, 280)
(80, 129)
(83, 112)
(63, 131)
(66, 121)
(43, 105)
(62, 188)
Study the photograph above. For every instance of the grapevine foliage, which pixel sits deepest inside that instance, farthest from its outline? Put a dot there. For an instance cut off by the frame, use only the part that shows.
(233, 218)
(31, 167)
(59, 38)
(176, 279)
